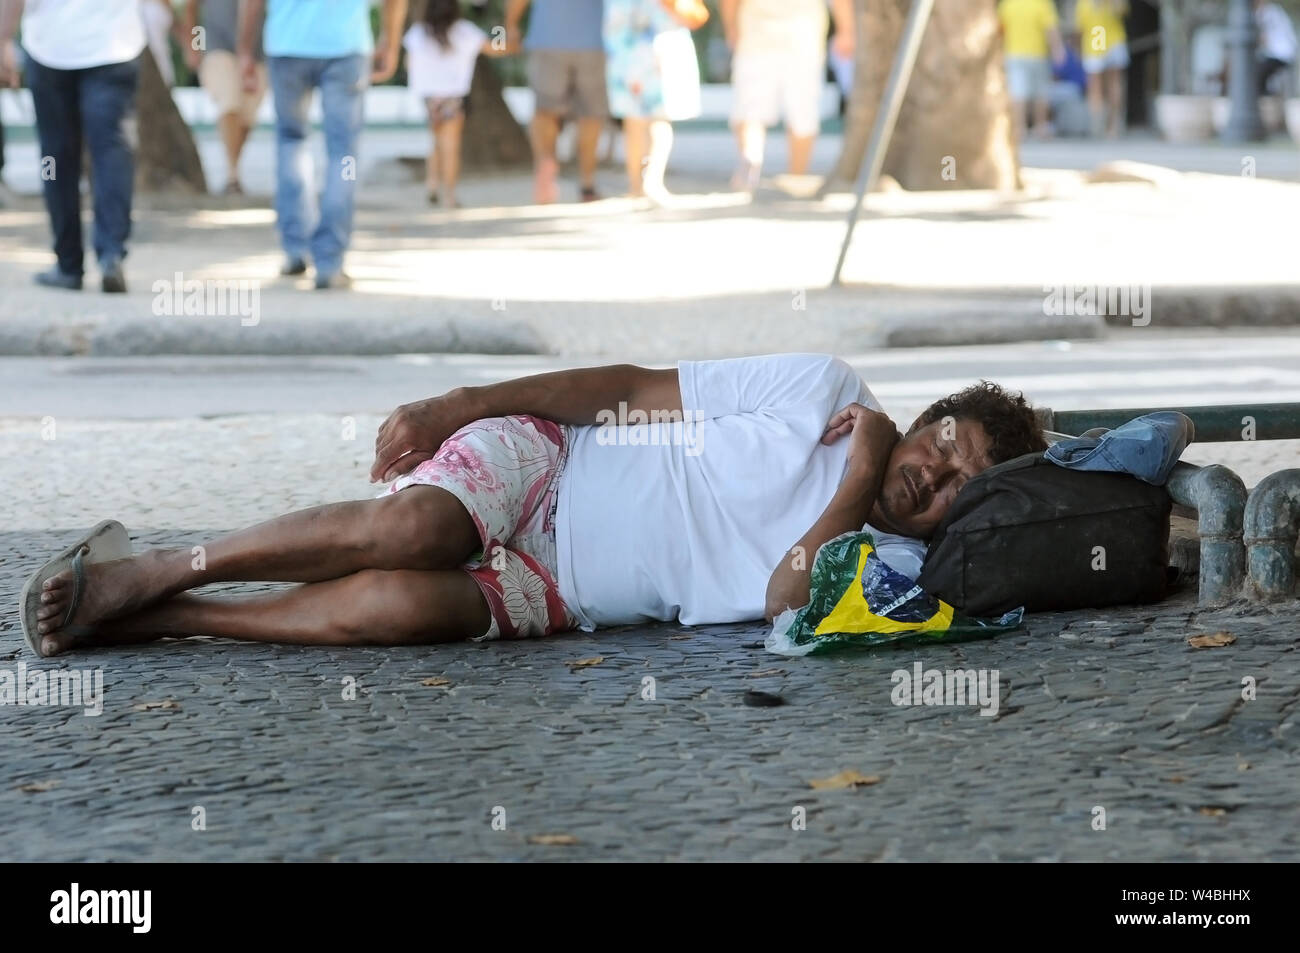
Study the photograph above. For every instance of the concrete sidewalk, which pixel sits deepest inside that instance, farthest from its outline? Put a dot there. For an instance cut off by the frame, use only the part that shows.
(714, 274)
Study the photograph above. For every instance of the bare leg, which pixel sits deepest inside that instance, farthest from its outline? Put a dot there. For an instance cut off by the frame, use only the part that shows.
(431, 163)
(372, 607)
(234, 133)
(545, 130)
(1114, 102)
(1096, 104)
(750, 139)
(448, 134)
(589, 130)
(1042, 118)
(420, 528)
(636, 146)
(801, 148)
(656, 166)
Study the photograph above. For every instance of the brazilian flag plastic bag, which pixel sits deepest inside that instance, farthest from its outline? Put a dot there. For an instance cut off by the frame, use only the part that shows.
(858, 600)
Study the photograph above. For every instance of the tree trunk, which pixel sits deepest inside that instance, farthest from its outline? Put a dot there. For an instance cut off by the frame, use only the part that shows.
(954, 129)
(166, 159)
(493, 138)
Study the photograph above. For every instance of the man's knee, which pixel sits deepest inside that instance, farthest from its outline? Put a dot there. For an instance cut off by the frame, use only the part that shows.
(425, 527)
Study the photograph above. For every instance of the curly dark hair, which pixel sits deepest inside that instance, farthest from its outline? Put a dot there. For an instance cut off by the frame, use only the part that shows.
(1006, 417)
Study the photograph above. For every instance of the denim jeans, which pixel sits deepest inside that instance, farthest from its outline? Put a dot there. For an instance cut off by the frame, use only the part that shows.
(342, 81)
(93, 104)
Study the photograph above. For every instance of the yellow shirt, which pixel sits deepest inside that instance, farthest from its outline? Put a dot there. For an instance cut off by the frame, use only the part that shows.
(1024, 26)
(1100, 24)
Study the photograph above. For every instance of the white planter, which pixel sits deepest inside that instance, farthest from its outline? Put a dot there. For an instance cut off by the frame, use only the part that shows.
(1293, 118)
(1273, 112)
(1270, 113)
(1185, 118)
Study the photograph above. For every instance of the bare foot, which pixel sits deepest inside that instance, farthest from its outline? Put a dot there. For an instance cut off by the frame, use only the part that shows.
(110, 590)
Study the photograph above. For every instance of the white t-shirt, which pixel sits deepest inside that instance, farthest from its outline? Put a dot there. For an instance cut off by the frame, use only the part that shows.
(782, 26)
(1277, 37)
(78, 34)
(432, 71)
(687, 520)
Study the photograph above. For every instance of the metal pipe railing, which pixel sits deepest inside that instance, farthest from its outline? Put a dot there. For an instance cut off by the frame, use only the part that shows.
(1214, 424)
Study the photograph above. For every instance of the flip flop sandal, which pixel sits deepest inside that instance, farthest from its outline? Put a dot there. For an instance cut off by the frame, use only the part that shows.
(106, 542)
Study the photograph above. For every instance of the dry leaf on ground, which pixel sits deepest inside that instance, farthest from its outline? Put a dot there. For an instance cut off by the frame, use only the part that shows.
(845, 779)
(585, 662)
(167, 704)
(436, 680)
(38, 787)
(552, 840)
(765, 672)
(1212, 641)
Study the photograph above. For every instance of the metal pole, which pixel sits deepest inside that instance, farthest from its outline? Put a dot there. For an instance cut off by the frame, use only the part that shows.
(1244, 123)
(882, 130)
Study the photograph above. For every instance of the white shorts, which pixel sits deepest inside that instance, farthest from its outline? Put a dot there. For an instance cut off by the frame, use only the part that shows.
(1115, 57)
(767, 86)
(1029, 78)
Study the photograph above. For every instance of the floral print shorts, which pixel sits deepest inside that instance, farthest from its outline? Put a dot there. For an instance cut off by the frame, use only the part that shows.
(505, 471)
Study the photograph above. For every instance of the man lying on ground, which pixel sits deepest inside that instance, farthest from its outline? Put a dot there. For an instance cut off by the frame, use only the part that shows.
(574, 499)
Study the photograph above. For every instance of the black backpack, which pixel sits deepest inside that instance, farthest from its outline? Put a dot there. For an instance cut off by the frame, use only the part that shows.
(1030, 533)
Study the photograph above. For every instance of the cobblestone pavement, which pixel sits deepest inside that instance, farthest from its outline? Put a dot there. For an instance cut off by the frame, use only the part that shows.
(1096, 709)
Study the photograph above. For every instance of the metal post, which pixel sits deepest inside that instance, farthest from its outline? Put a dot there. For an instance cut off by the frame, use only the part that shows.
(1244, 123)
(1272, 526)
(882, 130)
(1219, 498)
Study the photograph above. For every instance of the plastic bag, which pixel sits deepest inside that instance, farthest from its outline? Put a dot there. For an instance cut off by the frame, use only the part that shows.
(857, 600)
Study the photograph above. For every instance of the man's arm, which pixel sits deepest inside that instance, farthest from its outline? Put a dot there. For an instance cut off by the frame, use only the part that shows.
(845, 37)
(388, 50)
(872, 438)
(250, 22)
(414, 432)
(11, 11)
(729, 9)
(514, 13)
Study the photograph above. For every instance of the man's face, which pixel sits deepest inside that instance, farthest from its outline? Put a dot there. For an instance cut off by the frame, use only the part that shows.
(925, 471)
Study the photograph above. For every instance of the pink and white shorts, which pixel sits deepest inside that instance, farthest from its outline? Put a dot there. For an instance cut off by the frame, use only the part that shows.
(505, 471)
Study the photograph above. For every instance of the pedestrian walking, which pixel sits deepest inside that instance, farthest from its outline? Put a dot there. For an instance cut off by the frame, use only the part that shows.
(566, 71)
(1104, 47)
(83, 68)
(217, 65)
(1030, 32)
(1277, 44)
(653, 79)
(441, 53)
(778, 71)
(325, 45)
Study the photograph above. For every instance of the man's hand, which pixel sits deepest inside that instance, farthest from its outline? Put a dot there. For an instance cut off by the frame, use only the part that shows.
(248, 71)
(385, 64)
(872, 436)
(414, 432)
(10, 74)
(843, 44)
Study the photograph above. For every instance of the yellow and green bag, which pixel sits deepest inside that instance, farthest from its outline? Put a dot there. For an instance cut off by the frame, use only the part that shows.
(857, 599)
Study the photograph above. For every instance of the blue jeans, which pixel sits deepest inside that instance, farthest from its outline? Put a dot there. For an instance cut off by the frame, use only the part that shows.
(94, 104)
(342, 81)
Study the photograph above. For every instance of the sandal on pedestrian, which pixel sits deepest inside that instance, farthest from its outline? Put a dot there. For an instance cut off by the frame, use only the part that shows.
(106, 542)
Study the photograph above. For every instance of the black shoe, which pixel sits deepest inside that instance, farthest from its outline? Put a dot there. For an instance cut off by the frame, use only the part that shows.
(112, 281)
(339, 280)
(57, 278)
(293, 267)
